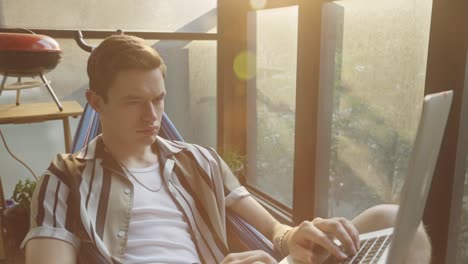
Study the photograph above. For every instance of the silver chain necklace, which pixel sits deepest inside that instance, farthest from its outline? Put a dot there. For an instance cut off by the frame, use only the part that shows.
(128, 172)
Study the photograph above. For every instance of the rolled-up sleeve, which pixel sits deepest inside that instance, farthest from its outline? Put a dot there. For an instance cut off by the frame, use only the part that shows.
(52, 232)
(236, 194)
(49, 209)
(232, 187)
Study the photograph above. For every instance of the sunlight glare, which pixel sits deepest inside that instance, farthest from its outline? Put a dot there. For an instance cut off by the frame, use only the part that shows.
(258, 4)
(244, 65)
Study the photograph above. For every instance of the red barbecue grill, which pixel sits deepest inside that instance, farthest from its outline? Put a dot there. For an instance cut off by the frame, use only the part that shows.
(28, 55)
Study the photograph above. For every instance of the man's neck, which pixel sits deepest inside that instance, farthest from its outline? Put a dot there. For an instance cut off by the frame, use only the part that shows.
(131, 156)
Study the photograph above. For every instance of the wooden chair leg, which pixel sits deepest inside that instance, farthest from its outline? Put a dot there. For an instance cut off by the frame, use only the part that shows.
(18, 92)
(66, 134)
(5, 76)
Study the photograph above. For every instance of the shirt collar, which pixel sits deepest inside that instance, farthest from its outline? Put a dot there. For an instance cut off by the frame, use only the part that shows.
(96, 149)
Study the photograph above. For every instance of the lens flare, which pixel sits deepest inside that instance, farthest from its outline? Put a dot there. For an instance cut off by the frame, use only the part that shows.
(245, 65)
(258, 4)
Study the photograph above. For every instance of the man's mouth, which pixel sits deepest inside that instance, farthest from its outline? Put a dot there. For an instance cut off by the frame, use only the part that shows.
(148, 130)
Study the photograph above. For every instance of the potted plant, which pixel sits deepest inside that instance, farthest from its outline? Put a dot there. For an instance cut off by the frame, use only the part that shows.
(16, 215)
(236, 162)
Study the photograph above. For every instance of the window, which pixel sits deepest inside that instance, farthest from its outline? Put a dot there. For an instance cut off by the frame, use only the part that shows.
(462, 229)
(376, 73)
(462, 243)
(191, 88)
(271, 93)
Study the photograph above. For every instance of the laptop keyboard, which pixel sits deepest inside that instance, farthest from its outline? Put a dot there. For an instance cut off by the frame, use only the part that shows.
(371, 250)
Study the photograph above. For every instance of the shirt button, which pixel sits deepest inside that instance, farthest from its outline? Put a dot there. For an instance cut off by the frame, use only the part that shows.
(121, 234)
(127, 190)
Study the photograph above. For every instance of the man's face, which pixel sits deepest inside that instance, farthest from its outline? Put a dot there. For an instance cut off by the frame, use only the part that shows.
(132, 114)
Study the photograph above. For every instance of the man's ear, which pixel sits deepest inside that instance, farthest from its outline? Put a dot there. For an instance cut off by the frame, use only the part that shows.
(94, 100)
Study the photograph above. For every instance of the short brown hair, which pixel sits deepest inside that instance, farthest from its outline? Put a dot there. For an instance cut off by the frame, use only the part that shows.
(118, 53)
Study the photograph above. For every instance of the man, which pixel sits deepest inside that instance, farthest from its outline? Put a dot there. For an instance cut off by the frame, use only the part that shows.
(132, 197)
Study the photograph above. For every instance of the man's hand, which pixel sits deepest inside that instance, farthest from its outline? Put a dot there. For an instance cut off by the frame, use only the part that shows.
(249, 257)
(312, 241)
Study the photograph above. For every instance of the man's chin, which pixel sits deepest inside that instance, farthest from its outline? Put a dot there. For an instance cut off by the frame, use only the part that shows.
(147, 139)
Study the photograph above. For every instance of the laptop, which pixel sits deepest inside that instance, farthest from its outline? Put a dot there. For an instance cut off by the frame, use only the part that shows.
(391, 245)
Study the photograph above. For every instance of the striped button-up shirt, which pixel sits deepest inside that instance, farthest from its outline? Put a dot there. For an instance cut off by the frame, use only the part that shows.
(87, 198)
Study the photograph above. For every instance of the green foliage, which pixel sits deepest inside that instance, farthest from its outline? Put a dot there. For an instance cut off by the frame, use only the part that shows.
(357, 123)
(234, 160)
(23, 192)
(236, 163)
(462, 245)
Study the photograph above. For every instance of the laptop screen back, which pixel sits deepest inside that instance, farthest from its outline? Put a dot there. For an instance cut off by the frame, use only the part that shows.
(421, 167)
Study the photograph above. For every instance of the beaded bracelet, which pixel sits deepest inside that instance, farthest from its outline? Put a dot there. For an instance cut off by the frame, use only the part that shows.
(281, 242)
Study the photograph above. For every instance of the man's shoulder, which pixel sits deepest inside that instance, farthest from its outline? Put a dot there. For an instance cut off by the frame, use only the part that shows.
(192, 150)
(65, 159)
(179, 146)
(195, 148)
(89, 151)
(63, 167)
(190, 146)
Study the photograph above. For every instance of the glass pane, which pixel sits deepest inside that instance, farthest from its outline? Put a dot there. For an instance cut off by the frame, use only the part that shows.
(462, 243)
(146, 15)
(191, 88)
(272, 97)
(376, 72)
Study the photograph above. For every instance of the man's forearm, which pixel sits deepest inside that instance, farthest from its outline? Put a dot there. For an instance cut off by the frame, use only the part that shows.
(49, 251)
(257, 216)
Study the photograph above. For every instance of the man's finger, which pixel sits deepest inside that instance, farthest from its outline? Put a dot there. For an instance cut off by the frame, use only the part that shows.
(301, 254)
(352, 231)
(335, 228)
(258, 257)
(317, 236)
(249, 257)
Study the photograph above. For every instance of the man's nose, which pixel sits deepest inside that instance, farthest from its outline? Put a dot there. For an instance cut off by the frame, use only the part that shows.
(149, 113)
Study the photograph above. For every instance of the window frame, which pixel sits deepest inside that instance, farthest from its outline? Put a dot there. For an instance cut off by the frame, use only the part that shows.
(446, 66)
(232, 104)
(448, 47)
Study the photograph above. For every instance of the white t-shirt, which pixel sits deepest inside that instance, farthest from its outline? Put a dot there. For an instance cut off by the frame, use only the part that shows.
(158, 231)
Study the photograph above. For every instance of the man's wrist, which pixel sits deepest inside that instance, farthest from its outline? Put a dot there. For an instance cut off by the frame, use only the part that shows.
(280, 240)
(283, 245)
